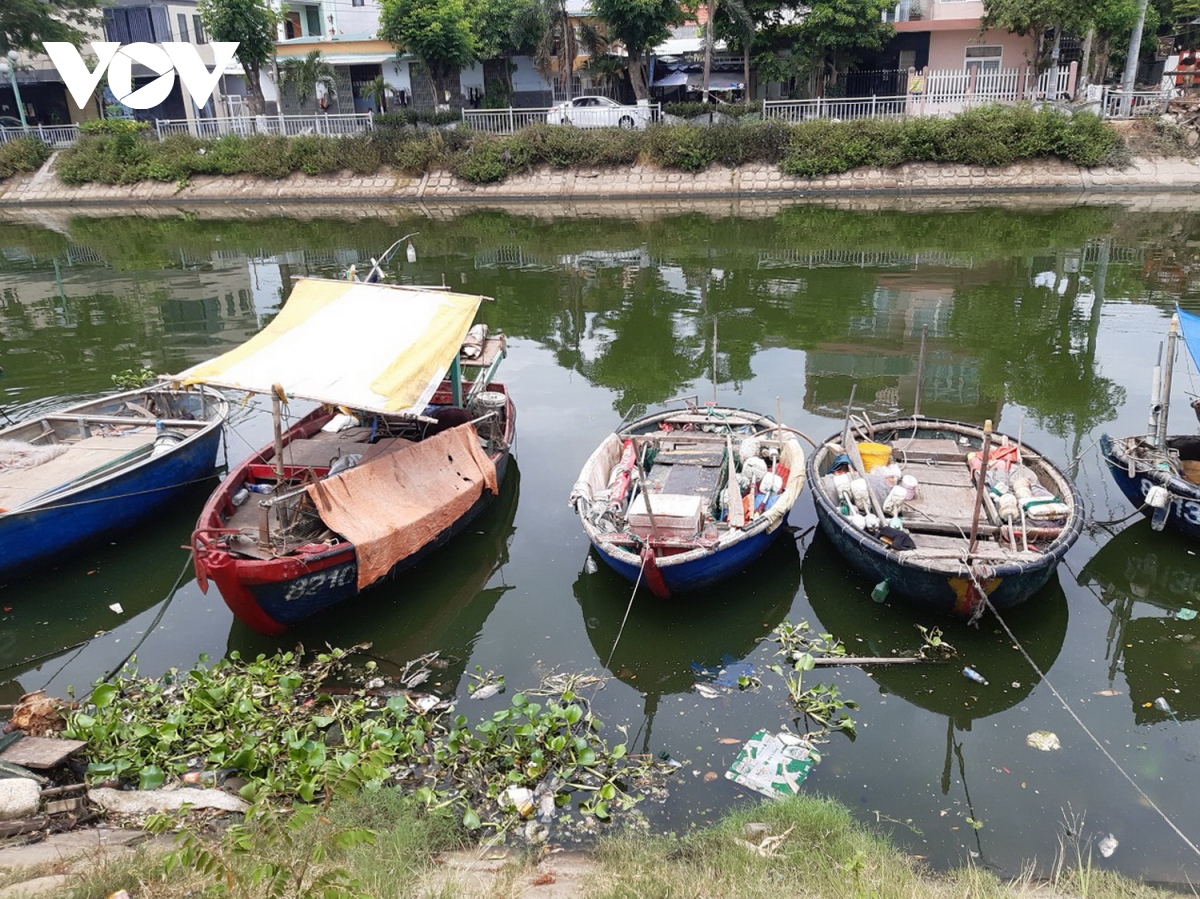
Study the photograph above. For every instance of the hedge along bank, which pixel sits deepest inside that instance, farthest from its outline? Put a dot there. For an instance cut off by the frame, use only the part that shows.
(121, 152)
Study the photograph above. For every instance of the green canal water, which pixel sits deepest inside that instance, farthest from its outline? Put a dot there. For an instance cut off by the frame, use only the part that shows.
(1046, 320)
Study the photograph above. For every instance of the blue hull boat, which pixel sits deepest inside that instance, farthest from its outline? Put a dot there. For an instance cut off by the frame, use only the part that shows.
(1131, 460)
(70, 477)
(919, 550)
(1160, 474)
(687, 498)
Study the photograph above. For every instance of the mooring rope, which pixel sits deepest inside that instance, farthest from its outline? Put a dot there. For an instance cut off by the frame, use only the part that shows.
(628, 609)
(168, 599)
(1070, 711)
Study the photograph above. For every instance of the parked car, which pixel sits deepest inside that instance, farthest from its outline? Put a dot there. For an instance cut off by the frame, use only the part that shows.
(598, 112)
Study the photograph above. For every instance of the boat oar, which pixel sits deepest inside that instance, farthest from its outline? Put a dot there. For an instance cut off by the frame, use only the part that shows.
(979, 487)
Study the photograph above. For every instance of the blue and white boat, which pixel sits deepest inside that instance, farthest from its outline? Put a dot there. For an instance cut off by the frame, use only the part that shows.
(685, 498)
(72, 476)
(1159, 473)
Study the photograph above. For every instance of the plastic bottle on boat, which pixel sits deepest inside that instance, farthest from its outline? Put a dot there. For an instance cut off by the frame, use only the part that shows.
(240, 497)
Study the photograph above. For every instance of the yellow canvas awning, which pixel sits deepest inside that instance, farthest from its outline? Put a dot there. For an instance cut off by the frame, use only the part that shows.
(375, 347)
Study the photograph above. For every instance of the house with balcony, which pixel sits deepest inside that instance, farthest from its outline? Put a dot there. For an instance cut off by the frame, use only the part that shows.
(942, 36)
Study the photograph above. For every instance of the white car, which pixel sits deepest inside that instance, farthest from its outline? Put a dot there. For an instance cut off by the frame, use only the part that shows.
(598, 112)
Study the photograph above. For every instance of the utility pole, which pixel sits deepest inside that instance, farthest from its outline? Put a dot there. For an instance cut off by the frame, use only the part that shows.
(1131, 62)
(708, 44)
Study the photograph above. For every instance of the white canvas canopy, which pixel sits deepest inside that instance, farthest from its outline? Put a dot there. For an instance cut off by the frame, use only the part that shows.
(374, 347)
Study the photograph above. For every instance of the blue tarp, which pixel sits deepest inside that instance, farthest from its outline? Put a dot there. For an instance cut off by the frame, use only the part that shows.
(1189, 326)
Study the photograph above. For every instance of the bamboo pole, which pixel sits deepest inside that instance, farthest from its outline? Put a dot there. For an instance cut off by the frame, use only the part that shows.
(979, 487)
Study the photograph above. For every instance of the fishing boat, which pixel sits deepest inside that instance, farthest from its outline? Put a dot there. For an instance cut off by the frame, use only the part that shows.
(902, 502)
(685, 498)
(1159, 473)
(396, 459)
(77, 474)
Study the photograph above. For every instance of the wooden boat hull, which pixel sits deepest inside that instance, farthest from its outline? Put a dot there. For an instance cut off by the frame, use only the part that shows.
(1184, 515)
(956, 590)
(270, 595)
(45, 532)
(695, 574)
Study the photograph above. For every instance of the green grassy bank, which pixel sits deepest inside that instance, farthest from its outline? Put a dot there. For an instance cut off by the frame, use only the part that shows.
(821, 853)
(120, 152)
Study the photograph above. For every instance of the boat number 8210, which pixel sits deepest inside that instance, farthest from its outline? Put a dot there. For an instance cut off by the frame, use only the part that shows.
(313, 584)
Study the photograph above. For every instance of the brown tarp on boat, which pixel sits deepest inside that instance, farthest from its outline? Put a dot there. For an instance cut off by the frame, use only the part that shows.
(398, 501)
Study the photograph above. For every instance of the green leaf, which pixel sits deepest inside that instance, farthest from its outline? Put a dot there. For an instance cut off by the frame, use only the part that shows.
(573, 713)
(618, 751)
(471, 820)
(104, 694)
(324, 720)
(519, 701)
(586, 757)
(151, 778)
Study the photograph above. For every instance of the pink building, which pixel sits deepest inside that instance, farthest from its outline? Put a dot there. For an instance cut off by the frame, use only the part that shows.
(945, 35)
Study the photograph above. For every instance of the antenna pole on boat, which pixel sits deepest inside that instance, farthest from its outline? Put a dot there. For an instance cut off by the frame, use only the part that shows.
(920, 371)
(1155, 394)
(637, 460)
(846, 425)
(1164, 400)
(983, 460)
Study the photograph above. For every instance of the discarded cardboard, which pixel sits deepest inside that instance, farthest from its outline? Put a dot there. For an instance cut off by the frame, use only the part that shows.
(772, 764)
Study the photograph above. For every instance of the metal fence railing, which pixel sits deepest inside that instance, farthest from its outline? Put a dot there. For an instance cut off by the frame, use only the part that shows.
(52, 135)
(289, 125)
(842, 109)
(504, 121)
(1117, 104)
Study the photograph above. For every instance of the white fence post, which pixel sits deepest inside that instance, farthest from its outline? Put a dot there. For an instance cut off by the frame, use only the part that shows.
(511, 122)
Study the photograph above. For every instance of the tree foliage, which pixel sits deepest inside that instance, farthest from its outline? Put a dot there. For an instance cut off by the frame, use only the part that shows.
(549, 29)
(835, 30)
(305, 74)
(25, 24)
(252, 24)
(438, 32)
(638, 25)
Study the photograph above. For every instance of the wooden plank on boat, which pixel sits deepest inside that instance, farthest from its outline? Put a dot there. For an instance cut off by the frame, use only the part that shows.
(40, 753)
(129, 421)
(920, 449)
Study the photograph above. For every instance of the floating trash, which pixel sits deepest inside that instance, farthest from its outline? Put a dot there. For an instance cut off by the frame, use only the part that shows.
(116, 607)
(972, 675)
(1043, 740)
(1109, 844)
(1162, 705)
(707, 691)
(487, 691)
(774, 764)
(589, 566)
(1185, 614)
(1108, 693)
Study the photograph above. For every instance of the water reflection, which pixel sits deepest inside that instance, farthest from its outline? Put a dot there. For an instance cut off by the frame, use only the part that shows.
(1145, 578)
(842, 603)
(441, 604)
(666, 647)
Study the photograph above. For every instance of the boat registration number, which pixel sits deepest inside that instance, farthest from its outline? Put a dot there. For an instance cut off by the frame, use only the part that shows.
(312, 584)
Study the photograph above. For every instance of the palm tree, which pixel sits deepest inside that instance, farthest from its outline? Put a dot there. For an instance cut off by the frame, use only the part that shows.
(308, 75)
(376, 91)
(547, 24)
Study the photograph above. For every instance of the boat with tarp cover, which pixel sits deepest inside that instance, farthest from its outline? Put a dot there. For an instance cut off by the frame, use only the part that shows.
(1160, 473)
(396, 460)
(686, 498)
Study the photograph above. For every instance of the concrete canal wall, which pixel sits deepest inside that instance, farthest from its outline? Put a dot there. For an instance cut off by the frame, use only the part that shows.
(1166, 174)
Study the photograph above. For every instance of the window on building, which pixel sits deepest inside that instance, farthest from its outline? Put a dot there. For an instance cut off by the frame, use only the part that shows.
(358, 2)
(134, 24)
(983, 59)
(181, 20)
(312, 15)
(198, 30)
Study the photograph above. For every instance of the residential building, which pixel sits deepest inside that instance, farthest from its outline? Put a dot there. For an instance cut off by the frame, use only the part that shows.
(45, 96)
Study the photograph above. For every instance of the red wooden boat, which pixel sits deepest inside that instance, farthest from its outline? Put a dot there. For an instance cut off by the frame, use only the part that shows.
(395, 462)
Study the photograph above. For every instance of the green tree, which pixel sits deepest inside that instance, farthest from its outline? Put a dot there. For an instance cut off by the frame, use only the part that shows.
(639, 25)
(549, 28)
(498, 35)
(306, 74)
(252, 24)
(738, 23)
(25, 24)
(437, 32)
(833, 31)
